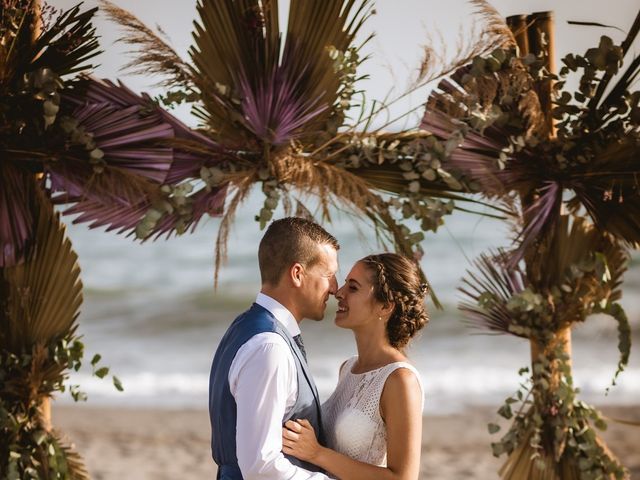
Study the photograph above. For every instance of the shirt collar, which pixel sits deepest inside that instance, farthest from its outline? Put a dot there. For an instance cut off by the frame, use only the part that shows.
(284, 316)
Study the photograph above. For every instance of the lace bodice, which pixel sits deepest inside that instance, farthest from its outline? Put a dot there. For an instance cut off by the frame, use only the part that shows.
(351, 416)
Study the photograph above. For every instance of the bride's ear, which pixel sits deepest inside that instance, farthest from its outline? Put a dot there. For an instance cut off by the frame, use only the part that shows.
(387, 309)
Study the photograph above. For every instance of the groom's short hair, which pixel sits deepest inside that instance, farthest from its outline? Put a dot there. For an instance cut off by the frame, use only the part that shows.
(287, 241)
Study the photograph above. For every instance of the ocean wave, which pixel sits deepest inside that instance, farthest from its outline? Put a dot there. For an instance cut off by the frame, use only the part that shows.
(446, 390)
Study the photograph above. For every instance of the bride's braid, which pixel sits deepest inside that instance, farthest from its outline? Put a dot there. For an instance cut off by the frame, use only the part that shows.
(396, 280)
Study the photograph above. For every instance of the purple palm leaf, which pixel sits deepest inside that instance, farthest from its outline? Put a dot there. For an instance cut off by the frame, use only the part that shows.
(539, 217)
(275, 110)
(17, 222)
(489, 290)
(142, 150)
(475, 157)
(125, 217)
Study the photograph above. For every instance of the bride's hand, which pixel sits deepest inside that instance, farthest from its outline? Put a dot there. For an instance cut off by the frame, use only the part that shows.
(299, 440)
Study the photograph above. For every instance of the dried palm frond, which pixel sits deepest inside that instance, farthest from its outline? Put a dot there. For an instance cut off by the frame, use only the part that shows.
(64, 45)
(17, 222)
(324, 181)
(74, 462)
(44, 292)
(504, 148)
(141, 146)
(609, 189)
(578, 272)
(34, 58)
(489, 291)
(68, 44)
(249, 90)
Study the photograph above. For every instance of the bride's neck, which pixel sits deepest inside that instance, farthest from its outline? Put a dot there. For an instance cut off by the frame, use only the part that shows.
(374, 349)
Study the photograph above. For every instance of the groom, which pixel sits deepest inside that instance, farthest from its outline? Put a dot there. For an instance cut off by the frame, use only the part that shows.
(260, 377)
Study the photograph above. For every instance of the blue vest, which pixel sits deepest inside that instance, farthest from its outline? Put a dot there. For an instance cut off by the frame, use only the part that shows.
(222, 405)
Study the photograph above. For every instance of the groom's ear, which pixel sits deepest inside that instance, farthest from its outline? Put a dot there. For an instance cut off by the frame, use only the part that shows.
(295, 273)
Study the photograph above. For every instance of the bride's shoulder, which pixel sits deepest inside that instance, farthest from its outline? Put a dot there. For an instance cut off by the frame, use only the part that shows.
(402, 387)
(402, 375)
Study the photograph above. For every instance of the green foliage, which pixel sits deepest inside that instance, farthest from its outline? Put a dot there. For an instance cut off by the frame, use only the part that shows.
(174, 199)
(616, 311)
(29, 450)
(554, 423)
(345, 67)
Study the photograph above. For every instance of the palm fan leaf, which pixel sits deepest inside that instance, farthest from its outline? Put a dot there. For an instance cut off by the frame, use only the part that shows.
(129, 129)
(489, 290)
(251, 93)
(609, 190)
(67, 44)
(247, 86)
(17, 222)
(573, 242)
(577, 268)
(44, 292)
(493, 108)
(475, 111)
(142, 147)
(169, 151)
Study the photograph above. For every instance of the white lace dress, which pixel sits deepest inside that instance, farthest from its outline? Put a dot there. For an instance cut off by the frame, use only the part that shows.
(351, 416)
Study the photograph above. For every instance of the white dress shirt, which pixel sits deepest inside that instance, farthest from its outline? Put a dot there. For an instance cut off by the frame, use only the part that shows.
(263, 380)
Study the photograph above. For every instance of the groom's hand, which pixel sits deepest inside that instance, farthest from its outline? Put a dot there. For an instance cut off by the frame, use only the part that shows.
(299, 440)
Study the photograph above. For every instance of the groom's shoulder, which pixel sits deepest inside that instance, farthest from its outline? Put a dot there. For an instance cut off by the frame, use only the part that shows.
(256, 319)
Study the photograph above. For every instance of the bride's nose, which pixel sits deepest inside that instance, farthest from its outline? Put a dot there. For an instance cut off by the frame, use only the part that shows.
(339, 295)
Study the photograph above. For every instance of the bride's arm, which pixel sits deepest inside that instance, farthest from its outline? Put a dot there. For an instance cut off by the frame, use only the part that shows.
(401, 408)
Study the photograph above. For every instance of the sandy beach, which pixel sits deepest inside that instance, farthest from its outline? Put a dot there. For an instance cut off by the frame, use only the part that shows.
(147, 443)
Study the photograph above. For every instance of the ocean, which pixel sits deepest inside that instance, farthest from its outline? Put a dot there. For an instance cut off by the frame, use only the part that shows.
(152, 313)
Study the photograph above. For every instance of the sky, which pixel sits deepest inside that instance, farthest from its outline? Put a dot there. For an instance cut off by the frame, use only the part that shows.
(401, 27)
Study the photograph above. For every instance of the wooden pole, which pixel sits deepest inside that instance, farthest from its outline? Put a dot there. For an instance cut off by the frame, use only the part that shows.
(44, 410)
(45, 414)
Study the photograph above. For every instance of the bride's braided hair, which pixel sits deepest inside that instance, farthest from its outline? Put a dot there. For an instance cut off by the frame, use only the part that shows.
(396, 279)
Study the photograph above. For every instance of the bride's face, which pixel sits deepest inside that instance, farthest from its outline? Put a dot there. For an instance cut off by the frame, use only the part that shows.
(356, 303)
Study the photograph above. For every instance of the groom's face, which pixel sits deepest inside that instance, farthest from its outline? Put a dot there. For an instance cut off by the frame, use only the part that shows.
(319, 283)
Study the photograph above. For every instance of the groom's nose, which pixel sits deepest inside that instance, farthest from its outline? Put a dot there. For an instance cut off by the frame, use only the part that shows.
(333, 288)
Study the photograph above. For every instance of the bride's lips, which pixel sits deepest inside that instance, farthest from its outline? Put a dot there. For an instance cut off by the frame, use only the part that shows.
(341, 309)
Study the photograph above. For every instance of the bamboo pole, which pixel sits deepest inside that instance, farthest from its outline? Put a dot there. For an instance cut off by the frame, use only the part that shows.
(534, 34)
(541, 37)
(519, 27)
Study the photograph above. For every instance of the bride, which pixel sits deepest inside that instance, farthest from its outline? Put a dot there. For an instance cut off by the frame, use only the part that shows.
(373, 420)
